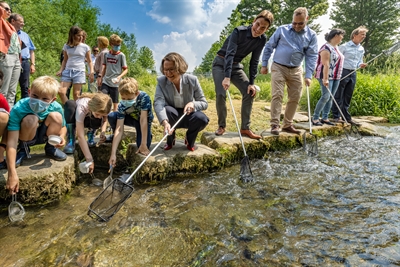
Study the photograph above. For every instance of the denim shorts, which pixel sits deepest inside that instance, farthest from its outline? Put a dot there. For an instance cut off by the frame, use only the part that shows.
(73, 76)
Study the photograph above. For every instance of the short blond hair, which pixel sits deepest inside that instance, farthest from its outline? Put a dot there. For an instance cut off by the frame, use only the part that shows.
(357, 31)
(128, 86)
(102, 41)
(98, 102)
(179, 62)
(46, 85)
(115, 39)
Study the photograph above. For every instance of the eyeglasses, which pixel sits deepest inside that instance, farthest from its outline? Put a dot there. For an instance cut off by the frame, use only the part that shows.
(96, 51)
(298, 23)
(7, 9)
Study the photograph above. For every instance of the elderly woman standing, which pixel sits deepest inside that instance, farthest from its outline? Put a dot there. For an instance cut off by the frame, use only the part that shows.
(10, 47)
(178, 93)
(328, 72)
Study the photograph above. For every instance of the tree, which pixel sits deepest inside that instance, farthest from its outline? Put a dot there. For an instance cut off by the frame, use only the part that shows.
(145, 58)
(247, 10)
(381, 17)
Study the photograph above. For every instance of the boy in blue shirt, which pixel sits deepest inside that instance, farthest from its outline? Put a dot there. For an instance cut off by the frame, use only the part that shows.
(32, 120)
(133, 110)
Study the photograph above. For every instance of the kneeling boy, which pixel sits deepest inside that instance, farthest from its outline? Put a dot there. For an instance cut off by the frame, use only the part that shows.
(32, 120)
(133, 110)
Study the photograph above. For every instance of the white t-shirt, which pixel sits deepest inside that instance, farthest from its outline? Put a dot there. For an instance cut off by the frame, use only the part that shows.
(76, 56)
(82, 109)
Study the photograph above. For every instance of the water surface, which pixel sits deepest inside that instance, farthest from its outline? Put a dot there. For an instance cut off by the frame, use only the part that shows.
(338, 209)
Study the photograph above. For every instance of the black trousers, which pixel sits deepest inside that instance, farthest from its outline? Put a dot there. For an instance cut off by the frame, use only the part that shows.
(24, 77)
(194, 122)
(344, 94)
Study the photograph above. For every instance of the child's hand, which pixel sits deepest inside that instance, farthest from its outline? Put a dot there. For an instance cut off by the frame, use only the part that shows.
(143, 150)
(59, 73)
(61, 144)
(12, 183)
(113, 160)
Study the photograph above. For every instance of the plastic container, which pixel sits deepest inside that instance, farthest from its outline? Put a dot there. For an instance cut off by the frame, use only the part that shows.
(84, 166)
(54, 140)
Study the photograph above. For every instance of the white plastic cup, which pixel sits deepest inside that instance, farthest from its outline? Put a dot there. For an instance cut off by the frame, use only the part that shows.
(84, 166)
(257, 88)
(114, 80)
(54, 140)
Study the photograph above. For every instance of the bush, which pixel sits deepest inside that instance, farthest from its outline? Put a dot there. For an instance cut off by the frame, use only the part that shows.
(374, 95)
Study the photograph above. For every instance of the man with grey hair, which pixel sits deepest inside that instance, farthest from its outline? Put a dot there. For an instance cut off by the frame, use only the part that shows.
(353, 53)
(27, 53)
(292, 44)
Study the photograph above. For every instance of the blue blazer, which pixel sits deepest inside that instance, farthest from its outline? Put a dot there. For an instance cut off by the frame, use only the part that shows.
(191, 91)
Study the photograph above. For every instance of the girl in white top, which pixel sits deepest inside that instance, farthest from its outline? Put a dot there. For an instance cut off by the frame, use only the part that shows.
(72, 69)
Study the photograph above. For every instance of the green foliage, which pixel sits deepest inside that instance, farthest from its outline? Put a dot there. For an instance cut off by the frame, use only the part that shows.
(374, 95)
(381, 17)
(145, 58)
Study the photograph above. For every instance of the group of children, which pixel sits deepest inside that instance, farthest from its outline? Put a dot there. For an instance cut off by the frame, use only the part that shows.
(36, 118)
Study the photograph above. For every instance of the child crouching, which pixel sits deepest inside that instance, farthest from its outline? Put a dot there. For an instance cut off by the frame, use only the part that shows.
(133, 110)
(32, 120)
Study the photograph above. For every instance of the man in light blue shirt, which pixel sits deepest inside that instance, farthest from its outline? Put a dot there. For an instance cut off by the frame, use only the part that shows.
(353, 59)
(292, 44)
(27, 54)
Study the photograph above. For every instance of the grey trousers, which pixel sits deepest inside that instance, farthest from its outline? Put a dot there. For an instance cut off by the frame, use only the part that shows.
(240, 80)
(11, 68)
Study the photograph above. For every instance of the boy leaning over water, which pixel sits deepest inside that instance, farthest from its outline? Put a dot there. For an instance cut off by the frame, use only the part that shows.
(133, 110)
(32, 120)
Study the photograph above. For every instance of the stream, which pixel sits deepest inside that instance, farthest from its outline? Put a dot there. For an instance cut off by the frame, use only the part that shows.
(338, 209)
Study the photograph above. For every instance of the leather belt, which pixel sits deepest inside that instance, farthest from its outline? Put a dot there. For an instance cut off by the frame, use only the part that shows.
(25, 59)
(347, 69)
(289, 67)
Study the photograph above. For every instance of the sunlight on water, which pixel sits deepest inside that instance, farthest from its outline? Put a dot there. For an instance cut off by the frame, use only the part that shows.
(338, 209)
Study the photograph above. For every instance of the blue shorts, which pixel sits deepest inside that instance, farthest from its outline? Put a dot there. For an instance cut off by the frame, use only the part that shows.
(73, 76)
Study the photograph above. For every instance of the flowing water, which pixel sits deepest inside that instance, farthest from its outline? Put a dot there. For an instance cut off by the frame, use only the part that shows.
(338, 209)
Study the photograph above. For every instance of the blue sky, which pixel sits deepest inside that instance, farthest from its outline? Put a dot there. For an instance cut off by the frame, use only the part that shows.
(188, 27)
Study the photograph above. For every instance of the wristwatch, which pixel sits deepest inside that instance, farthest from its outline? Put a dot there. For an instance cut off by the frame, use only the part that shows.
(33, 64)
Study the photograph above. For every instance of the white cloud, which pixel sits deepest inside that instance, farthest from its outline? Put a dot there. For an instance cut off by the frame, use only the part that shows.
(199, 25)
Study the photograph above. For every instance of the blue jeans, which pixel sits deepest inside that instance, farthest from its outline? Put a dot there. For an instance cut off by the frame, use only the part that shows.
(129, 121)
(325, 102)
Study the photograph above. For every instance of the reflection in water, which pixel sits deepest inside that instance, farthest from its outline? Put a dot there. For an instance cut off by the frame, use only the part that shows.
(339, 209)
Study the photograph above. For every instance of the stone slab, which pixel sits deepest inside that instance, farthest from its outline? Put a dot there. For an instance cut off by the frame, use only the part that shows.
(42, 179)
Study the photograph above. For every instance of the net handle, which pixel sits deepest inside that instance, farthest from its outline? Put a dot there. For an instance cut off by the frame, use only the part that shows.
(237, 125)
(309, 109)
(154, 149)
(386, 52)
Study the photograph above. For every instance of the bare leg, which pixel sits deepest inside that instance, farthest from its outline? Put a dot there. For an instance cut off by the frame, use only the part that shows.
(77, 90)
(63, 92)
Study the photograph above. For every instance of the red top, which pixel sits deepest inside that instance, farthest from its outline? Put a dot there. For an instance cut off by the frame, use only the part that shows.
(4, 103)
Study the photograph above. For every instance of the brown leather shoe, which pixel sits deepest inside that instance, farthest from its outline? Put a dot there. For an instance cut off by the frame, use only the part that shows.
(220, 131)
(275, 129)
(250, 134)
(291, 129)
